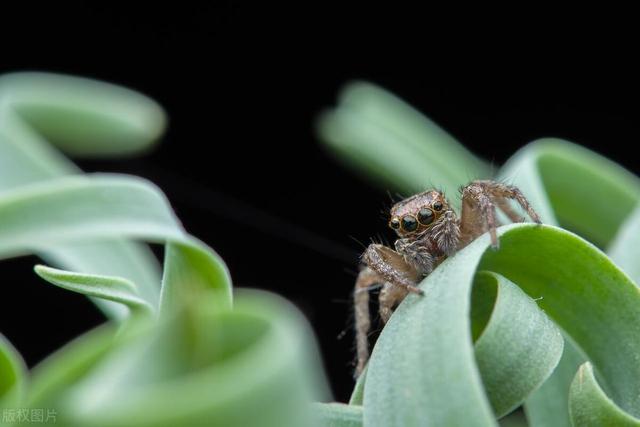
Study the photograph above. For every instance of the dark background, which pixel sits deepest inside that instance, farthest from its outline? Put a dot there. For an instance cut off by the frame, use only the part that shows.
(240, 161)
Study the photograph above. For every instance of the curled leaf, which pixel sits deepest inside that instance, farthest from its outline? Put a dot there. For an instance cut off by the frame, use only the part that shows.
(114, 289)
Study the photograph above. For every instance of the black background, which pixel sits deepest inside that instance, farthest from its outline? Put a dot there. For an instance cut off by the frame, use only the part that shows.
(240, 161)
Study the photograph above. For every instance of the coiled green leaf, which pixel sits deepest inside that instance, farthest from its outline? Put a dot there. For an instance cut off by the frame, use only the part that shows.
(423, 370)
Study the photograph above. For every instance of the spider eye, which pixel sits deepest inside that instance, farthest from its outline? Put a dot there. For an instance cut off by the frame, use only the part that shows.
(409, 223)
(425, 216)
(394, 223)
(437, 206)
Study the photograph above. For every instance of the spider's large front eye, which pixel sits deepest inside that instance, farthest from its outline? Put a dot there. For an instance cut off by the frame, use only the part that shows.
(409, 223)
(425, 216)
(394, 223)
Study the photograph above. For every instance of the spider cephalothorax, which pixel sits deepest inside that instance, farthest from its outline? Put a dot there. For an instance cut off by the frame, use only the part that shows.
(418, 213)
(429, 230)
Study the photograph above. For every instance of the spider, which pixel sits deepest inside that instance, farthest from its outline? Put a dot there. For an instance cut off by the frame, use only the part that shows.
(429, 231)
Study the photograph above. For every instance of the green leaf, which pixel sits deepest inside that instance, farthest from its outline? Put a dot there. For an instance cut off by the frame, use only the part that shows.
(434, 379)
(358, 390)
(75, 209)
(588, 193)
(590, 406)
(549, 405)
(114, 289)
(13, 372)
(567, 184)
(530, 345)
(80, 208)
(551, 172)
(84, 117)
(337, 415)
(110, 257)
(624, 249)
(594, 304)
(385, 137)
(198, 364)
(68, 364)
(198, 367)
(190, 269)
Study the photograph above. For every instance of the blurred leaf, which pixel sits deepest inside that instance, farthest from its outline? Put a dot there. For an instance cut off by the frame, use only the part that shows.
(114, 289)
(190, 269)
(338, 415)
(72, 209)
(586, 192)
(84, 117)
(80, 208)
(198, 364)
(385, 137)
(624, 249)
(71, 362)
(13, 372)
(253, 366)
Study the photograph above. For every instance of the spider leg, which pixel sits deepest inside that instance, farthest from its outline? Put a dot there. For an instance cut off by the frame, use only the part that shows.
(391, 266)
(478, 208)
(478, 213)
(505, 207)
(390, 296)
(489, 211)
(499, 191)
(367, 278)
(383, 265)
(511, 192)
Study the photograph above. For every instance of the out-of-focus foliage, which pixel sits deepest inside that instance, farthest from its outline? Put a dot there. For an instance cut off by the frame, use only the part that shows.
(177, 349)
(487, 335)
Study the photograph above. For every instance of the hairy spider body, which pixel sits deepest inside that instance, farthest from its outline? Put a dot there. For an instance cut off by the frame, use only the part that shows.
(429, 230)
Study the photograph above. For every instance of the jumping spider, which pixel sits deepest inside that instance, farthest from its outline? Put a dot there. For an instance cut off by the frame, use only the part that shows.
(429, 231)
